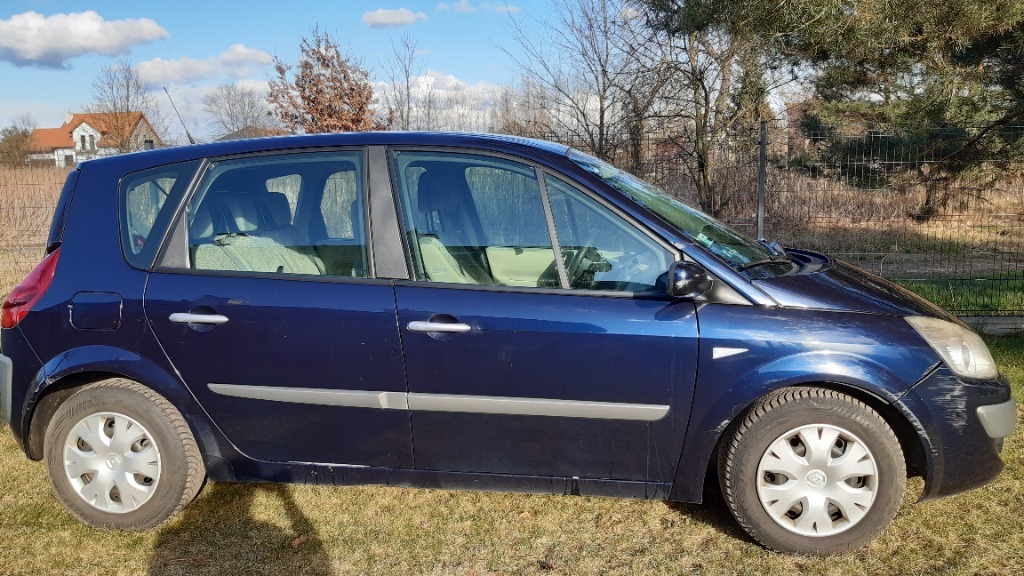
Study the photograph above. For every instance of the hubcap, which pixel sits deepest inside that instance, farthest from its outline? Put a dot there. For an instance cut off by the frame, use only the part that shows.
(112, 462)
(817, 480)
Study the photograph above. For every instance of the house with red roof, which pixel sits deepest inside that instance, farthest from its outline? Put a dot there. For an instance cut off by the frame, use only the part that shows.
(85, 136)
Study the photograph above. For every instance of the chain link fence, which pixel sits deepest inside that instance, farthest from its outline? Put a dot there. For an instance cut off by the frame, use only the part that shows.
(902, 205)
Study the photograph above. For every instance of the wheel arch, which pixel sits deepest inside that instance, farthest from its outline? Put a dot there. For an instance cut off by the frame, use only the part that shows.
(690, 487)
(67, 373)
(914, 451)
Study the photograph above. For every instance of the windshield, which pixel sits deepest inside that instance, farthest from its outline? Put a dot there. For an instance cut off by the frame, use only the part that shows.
(736, 250)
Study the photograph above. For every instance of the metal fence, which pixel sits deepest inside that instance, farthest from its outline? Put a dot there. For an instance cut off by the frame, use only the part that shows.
(904, 205)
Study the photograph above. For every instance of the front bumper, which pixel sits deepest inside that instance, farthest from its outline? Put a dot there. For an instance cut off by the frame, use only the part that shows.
(6, 387)
(998, 420)
(961, 424)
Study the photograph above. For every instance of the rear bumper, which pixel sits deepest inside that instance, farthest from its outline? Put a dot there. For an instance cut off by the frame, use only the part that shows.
(6, 387)
(962, 424)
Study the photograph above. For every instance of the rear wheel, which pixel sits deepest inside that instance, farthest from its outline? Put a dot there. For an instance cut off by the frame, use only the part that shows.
(119, 455)
(812, 470)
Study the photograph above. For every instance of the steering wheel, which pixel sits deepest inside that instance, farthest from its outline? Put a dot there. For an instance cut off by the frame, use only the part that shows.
(574, 269)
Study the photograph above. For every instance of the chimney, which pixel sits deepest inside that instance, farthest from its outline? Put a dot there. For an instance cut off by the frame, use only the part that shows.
(68, 117)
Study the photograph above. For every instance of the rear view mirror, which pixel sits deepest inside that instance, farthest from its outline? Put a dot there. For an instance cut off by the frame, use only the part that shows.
(688, 280)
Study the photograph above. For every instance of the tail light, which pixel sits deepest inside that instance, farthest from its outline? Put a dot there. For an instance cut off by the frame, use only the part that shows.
(31, 289)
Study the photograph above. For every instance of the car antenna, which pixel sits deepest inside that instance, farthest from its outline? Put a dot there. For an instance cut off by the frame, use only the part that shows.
(190, 140)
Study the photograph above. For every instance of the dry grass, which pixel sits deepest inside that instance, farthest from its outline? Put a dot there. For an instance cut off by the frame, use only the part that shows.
(276, 529)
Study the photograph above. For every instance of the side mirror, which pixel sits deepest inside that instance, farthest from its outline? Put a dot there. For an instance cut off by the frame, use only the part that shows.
(688, 280)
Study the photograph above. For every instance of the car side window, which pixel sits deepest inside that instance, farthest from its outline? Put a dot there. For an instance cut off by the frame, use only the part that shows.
(251, 215)
(603, 251)
(144, 197)
(474, 219)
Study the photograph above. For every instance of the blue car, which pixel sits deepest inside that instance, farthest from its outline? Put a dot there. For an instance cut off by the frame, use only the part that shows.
(472, 312)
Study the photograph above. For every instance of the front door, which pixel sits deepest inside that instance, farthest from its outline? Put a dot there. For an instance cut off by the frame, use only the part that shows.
(535, 339)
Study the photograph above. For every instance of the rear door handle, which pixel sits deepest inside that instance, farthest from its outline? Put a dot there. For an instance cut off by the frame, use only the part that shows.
(445, 327)
(191, 318)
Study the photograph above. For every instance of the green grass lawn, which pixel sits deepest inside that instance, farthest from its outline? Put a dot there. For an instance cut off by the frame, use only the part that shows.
(292, 530)
(1001, 293)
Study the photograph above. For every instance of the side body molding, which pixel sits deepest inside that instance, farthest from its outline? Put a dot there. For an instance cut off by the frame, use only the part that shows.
(448, 402)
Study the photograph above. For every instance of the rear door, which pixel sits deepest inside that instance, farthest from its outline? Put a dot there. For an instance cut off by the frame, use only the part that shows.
(536, 338)
(267, 306)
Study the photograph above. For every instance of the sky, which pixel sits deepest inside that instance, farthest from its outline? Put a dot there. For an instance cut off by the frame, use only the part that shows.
(52, 50)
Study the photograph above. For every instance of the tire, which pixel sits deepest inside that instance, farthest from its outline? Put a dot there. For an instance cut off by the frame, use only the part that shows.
(811, 470)
(121, 456)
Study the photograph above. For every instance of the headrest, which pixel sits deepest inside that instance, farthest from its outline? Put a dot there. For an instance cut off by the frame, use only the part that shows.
(241, 212)
(436, 192)
(276, 209)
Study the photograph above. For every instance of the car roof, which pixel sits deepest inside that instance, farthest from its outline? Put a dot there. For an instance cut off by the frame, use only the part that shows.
(160, 156)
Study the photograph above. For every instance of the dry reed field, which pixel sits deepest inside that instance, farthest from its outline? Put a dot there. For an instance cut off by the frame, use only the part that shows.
(27, 199)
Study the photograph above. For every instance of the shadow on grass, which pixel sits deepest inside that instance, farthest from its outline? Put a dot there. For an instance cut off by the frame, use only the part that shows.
(224, 531)
(712, 511)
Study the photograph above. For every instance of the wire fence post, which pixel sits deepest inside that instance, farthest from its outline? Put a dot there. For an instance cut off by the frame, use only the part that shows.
(762, 176)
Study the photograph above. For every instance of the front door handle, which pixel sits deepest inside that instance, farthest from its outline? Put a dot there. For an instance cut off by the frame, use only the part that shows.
(435, 327)
(192, 318)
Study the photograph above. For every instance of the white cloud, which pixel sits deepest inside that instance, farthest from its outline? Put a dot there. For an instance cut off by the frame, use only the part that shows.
(500, 7)
(382, 18)
(31, 39)
(464, 7)
(238, 61)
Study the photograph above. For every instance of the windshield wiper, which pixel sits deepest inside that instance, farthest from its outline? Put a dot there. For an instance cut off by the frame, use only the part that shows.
(781, 259)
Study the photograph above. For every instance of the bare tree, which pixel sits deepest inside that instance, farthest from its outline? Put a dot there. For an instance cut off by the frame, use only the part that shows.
(16, 140)
(121, 94)
(428, 106)
(575, 58)
(523, 111)
(718, 88)
(330, 92)
(234, 108)
(646, 71)
(399, 73)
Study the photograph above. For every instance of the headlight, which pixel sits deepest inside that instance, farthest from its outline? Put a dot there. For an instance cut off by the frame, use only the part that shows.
(961, 349)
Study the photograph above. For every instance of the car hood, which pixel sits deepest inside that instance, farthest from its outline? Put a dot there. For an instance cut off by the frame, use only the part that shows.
(827, 284)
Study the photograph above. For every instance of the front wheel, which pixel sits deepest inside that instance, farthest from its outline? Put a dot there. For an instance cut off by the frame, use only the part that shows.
(812, 470)
(119, 455)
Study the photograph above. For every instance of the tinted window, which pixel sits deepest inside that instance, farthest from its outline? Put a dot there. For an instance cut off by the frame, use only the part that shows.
(148, 200)
(475, 219)
(340, 205)
(601, 250)
(289, 214)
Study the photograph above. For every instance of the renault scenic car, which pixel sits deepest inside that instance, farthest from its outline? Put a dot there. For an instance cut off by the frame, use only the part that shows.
(474, 312)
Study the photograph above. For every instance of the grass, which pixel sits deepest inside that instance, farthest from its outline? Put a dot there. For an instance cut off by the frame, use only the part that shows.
(279, 529)
(973, 297)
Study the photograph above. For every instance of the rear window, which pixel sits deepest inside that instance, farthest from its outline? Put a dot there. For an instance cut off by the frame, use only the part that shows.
(148, 200)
